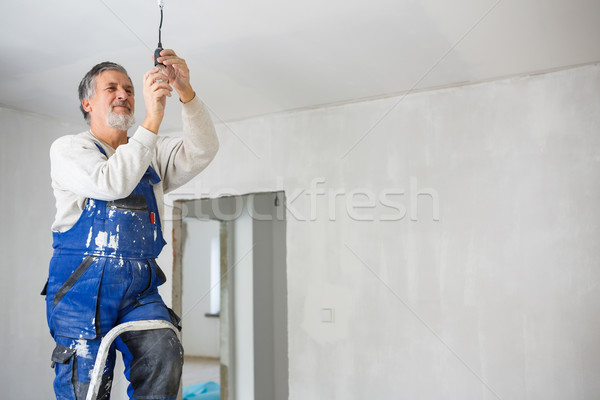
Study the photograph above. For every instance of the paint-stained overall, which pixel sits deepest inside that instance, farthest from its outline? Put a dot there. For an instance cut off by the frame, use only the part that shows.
(103, 273)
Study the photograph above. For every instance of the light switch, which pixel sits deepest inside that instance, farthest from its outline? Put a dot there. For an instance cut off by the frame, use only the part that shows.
(327, 315)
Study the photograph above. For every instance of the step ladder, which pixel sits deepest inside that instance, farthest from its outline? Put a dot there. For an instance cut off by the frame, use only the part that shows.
(107, 340)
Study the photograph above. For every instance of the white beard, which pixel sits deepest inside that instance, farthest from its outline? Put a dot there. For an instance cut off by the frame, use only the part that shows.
(121, 122)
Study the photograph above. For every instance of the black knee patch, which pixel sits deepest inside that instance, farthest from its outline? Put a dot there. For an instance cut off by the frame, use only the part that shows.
(155, 370)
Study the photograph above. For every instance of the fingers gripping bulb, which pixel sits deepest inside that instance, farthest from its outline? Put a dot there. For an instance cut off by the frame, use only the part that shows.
(156, 55)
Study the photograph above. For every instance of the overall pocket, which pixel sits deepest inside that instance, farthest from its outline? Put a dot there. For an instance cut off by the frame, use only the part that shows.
(72, 307)
(72, 280)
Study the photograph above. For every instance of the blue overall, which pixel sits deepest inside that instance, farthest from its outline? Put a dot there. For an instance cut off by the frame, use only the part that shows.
(103, 273)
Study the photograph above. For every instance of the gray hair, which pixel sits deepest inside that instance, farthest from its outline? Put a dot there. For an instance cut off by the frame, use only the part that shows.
(87, 86)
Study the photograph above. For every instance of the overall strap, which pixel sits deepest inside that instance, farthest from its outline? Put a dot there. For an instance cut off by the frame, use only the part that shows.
(101, 203)
(154, 178)
(100, 148)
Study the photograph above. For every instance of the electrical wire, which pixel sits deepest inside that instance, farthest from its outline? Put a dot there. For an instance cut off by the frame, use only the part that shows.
(159, 48)
(160, 27)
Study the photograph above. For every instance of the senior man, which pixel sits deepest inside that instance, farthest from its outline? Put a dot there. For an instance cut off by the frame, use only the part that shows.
(107, 232)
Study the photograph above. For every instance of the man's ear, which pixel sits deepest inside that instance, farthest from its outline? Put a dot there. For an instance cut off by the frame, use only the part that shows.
(86, 105)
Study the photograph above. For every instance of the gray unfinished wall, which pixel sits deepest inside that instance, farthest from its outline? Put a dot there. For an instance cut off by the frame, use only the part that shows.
(499, 296)
(496, 298)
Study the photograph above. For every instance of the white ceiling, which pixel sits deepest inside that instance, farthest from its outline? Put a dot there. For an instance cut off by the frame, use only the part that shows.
(249, 58)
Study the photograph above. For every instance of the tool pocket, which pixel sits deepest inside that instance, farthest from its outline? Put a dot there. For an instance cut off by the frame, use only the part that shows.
(45, 289)
(133, 202)
(175, 319)
(72, 280)
(158, 275)
(72, 307)
(62, 361)
(62, 355)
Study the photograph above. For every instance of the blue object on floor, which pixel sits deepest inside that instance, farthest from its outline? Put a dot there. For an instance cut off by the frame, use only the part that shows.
(202, 391)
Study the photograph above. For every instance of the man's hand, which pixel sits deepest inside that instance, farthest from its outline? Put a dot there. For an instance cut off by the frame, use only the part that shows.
(156, 90)
(178, 74)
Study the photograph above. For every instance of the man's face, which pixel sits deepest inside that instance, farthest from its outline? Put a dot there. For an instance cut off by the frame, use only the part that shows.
(114, 94)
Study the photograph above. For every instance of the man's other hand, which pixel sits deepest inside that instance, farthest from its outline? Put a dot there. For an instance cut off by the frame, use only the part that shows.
(178, 74)
(156, 91)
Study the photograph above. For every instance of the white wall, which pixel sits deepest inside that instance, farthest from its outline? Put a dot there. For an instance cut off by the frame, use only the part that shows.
(496, 299)
(243, 298)
(200, 334)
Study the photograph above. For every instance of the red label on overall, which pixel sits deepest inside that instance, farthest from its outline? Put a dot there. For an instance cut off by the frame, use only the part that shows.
(152, 218)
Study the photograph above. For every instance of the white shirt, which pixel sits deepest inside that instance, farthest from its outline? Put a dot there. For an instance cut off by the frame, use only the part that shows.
(80, 171)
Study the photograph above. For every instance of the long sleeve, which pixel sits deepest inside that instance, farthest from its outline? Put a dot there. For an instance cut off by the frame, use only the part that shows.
(79, 167)
(179, 159)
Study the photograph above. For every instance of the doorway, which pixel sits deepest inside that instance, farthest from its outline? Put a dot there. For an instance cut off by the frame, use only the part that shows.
(230, 287)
